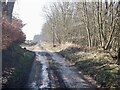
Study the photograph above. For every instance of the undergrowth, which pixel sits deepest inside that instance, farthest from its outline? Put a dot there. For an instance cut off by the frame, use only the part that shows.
(16, 66)
(98, 65)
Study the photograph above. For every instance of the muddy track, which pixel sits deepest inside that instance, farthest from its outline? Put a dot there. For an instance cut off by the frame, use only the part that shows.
(56, 79)
(44, 74)
(59, 65)
(51, 71)
(55, 75)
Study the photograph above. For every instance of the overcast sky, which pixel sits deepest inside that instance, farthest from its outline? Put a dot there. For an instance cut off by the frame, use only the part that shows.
(31, 13)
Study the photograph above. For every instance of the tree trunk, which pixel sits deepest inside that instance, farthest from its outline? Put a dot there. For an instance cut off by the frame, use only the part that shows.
(53, 36)
(10, 6)
(87, 23)
(94, 26)
(111, 34)
(118, 57)
(4, 7)
(118, 12)
(99, 33)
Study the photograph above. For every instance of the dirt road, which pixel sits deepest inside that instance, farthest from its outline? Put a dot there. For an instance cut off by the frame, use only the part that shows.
(50, 70)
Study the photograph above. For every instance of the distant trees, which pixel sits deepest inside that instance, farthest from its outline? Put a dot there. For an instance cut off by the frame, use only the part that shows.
(91, 24)
(59, 21)
(37, 39)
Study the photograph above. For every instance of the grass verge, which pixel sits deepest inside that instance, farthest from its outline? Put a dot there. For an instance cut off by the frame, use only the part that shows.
(16, 67)
(96, 64)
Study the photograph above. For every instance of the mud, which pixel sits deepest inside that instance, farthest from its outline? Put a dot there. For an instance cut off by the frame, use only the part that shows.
(51, 70)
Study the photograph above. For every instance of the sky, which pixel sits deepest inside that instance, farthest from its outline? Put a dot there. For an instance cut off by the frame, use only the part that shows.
(31, 13)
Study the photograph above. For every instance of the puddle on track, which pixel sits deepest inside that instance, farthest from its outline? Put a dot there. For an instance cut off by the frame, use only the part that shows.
(45, 81)
(45, 78)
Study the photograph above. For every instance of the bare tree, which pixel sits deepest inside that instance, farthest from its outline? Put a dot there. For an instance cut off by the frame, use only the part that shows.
(86, 23)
